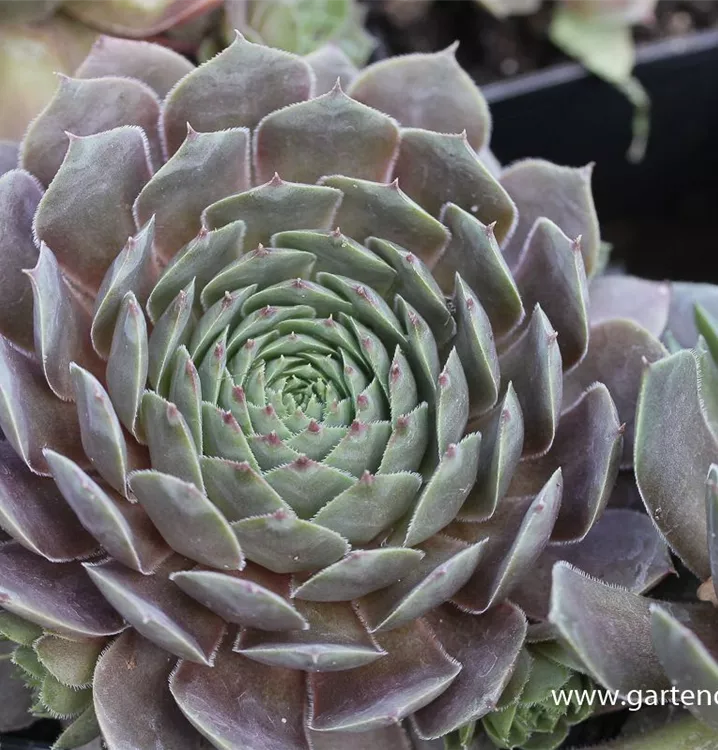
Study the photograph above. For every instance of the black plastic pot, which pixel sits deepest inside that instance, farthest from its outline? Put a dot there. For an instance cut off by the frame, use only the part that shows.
(661, 214)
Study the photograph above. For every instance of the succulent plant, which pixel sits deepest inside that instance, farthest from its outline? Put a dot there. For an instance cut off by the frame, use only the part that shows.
(40, 38)
(270, 482)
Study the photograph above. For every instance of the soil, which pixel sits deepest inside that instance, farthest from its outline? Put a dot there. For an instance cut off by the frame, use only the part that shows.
(494, 49)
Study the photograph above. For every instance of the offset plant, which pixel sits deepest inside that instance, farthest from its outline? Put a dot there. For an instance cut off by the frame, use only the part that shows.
(39, 38)
(630, 642)
(331, 403)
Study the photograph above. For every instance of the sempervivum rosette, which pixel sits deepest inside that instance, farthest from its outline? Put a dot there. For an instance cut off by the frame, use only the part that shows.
(309, 427)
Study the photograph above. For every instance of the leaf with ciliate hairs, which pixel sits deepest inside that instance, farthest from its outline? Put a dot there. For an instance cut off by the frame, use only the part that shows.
(104, 173)
(447, 100)
(533, 366)
(54, 595)
(550, 273)
(123, 529)
(675, 446)
(360, 573)
(160, 611)
(212, 698)
(415, 670)
(32, 512)
(254, 597)
(687, 648)
(370, 209)
(560, 194)
(587, 448)
(31, 416)
(276, 206)
(131, 271)
(446, 566)
(69, 662)
(643, 301)
(84, 108)
(515, 537)
(334, 641)
(20, 195)
(187, 520)
(436, 168)
(502, 436)
(206, 168)
(616, 356)
(157, 66)
(392, 737)
(609, 628)
(130, 681)
(237, 88)
(487, 647)
(172, 448)
(128, 364)
(623, 548)
(452, 407)
(62, 326)
(331, 133)
(329, 63)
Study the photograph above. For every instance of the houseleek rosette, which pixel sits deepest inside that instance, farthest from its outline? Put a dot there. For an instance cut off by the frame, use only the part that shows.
(293, 443)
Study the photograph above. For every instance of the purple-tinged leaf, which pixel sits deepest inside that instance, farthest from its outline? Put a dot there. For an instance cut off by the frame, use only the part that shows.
(533, 366)
(329, 63)
(687, 648)
(31, 416)
(157, 66)
(609, 628)
(172, 330)
(172, 449)
(550, 273)
(623, 548)
(675, 446)
(57, 596)
(253, 598)
(408, 441)
(222, 437)
(502, 436)
(643, 301)
(128, 364)
(8, 156)
(515, 537)
(85, 108)
(360, 573)
(286, 544)
(587, 448)
(123, 529)
(185, 393)
(206, 168)
(373, 209)
(392, 737)
(237, 88)
(617, 351)
(560, 194)
(332, 133)
(187, 520)
(446, 566)
(435, 168)
(487, 647)
(61, 326)
(103, 173)
(131, 681)
(100, 431)
(33, 513)
(446, 101)
(335, 640)
(132, 271)
(159, 611)
(20, 195)
(415, 670)
(270, 701)
(474, 254)
(276, 206)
